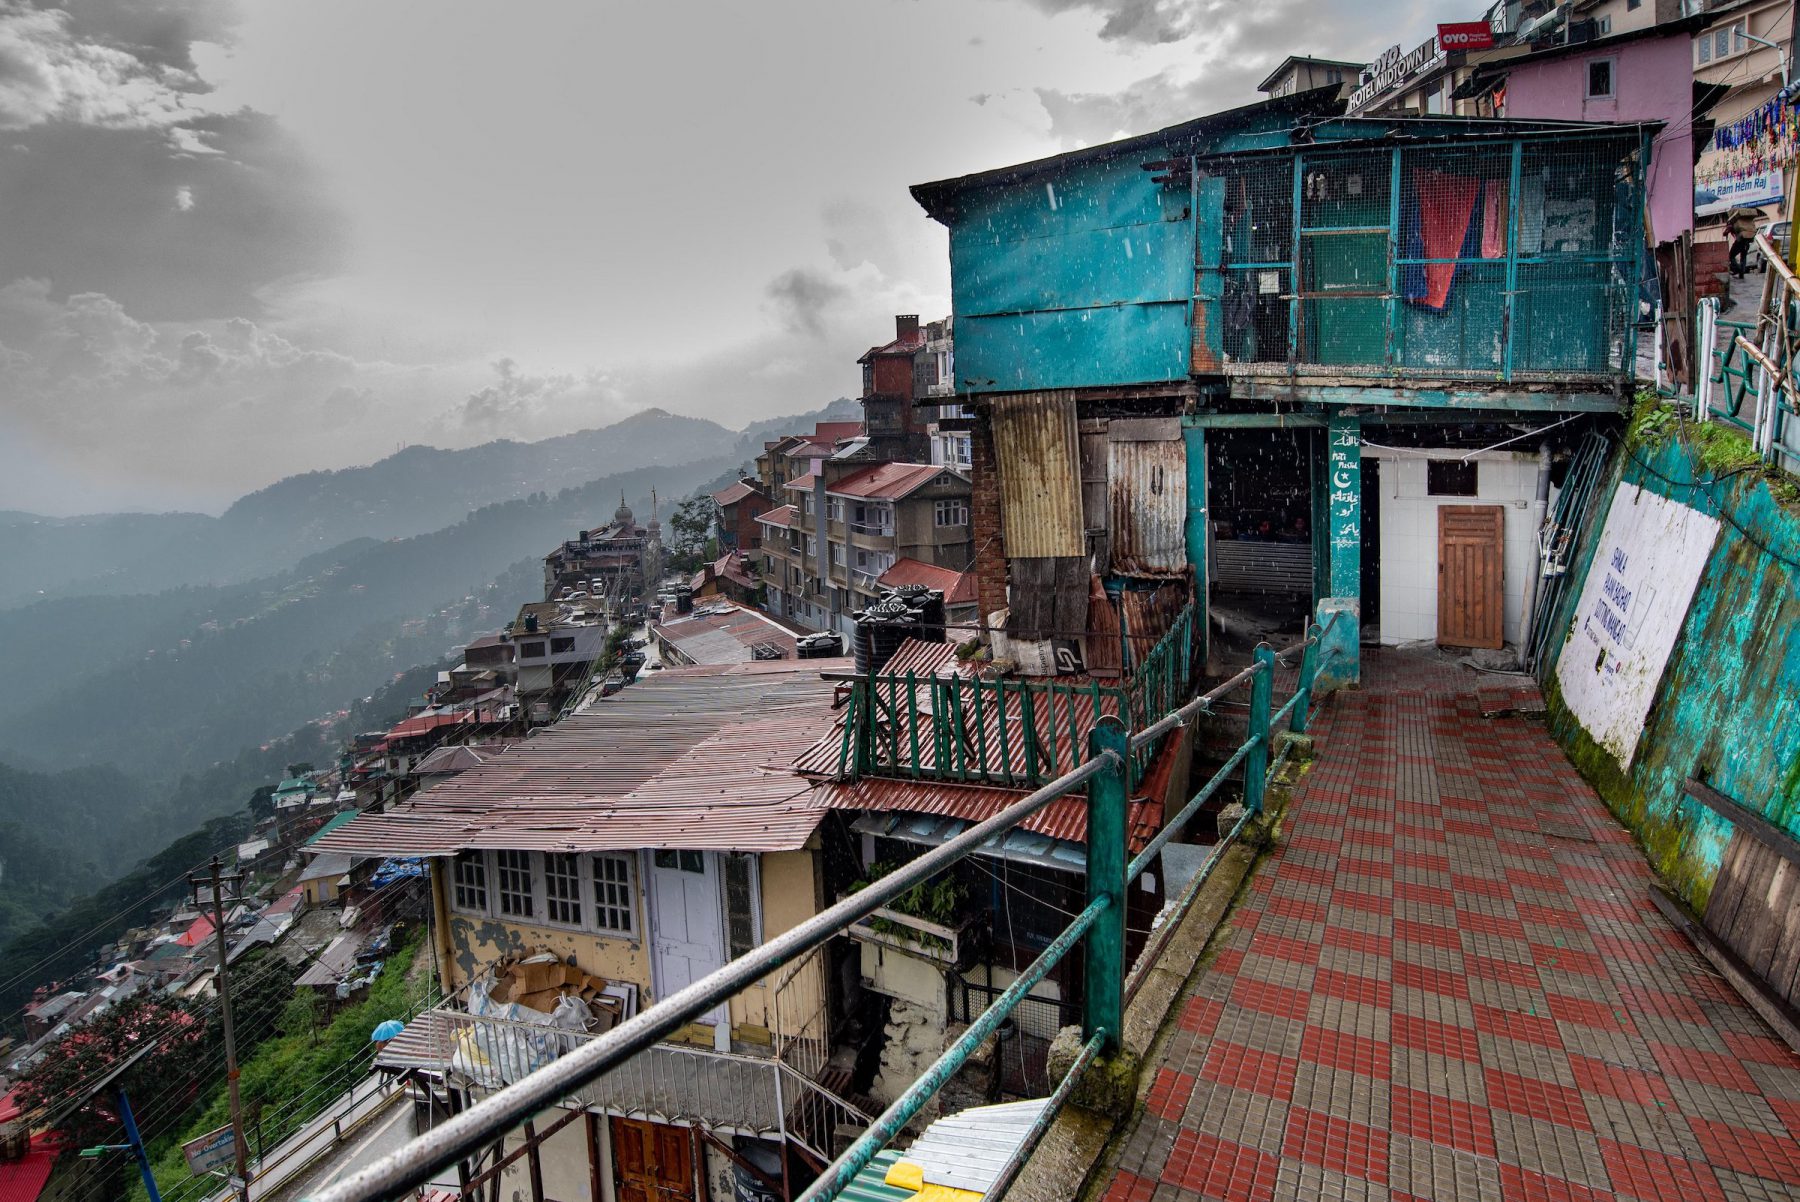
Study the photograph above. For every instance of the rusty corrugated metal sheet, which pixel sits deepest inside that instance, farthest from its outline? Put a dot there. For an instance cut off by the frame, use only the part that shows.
(1148, 614)
(698, 759)
(1065, 818)
(1040, 475)
(1101, 647)
(1146, 483)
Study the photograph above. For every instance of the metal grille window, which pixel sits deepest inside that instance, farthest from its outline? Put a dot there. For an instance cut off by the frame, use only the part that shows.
(468, 875)
(1452, 478)
(740, 903)
(512, 881)
(562, 888)
(614, 903)
(953, 513)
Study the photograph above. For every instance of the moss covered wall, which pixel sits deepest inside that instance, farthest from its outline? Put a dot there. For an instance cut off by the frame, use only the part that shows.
(1726, 705)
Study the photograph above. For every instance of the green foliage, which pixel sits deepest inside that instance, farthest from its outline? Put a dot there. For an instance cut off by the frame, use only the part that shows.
(690, 531)
(938, 899)
(296, 1073)
(176, 1068)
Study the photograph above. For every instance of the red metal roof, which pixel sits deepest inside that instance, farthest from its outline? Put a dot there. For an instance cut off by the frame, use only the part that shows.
(782, 516)
(423, 723)
(196, 934)
(1065, 818)
(802, 483)
(737, 492)
(23, 1180)
(958, 587)
(886, 481)
(697, 758)
(829, 433)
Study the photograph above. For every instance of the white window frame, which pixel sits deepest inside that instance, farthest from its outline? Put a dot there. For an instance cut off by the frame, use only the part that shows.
(629, 885)
(834, 509)
(508, 863)
(586, 898)
(953, 507)
(459, 887)
(837, 555)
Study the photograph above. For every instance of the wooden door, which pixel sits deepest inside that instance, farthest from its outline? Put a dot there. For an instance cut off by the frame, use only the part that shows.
(652, 1162)
(1471, 600)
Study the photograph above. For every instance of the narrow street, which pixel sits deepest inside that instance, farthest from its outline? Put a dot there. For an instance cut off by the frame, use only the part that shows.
(1448, 981)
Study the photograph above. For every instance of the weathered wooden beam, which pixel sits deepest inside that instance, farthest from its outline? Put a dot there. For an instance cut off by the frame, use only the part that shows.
(1777, 1013)
(1765, 832)
(1573, 398)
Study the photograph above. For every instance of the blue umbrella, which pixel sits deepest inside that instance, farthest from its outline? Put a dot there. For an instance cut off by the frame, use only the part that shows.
(387, 1030)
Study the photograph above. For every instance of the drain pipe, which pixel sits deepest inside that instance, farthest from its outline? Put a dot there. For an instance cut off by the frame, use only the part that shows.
(1540, 507)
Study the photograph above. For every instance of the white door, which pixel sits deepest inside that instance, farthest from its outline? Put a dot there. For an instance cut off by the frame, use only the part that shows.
(687, 925)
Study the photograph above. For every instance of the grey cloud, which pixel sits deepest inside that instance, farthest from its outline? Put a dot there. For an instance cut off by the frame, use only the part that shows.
(521, 405)
(91, 208)
(49, 73)
(801, 296)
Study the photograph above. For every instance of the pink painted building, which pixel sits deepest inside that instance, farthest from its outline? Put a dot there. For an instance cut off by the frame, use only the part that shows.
(1644, 75)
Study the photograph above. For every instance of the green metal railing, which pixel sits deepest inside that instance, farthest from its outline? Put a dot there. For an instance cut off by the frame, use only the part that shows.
(1750, 370)
(1100, 923)
(1017, 732)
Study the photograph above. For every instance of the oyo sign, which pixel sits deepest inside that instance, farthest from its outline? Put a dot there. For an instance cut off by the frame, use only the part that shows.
(1465, 35)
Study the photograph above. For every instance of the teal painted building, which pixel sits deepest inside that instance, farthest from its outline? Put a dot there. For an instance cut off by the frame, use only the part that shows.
(1270, 288)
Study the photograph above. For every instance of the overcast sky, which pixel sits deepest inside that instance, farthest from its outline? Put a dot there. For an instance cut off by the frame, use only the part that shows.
(241, 240)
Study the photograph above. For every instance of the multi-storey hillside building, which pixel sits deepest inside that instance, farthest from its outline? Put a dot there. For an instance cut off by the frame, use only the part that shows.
(1458, 291)
(738, 506)
(616, 857)
(615, 561)
(891, 381)
(796, 454)
(847, 523)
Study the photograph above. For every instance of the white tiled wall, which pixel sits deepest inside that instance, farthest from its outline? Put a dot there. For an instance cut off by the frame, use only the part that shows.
(1409, 536)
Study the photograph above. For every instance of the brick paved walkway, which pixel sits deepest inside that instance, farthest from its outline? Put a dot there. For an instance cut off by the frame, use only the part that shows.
(1449, 983)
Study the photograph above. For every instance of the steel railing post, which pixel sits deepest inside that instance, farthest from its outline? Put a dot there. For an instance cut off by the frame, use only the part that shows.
(1309, 669)
(1103, 997)
(1256, 764)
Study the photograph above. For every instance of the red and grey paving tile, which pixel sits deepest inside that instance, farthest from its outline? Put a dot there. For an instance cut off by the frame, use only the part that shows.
(1448, 983)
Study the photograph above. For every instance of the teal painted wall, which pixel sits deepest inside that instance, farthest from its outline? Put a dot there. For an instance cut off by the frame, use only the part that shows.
(1083, 278)
(1725, 710)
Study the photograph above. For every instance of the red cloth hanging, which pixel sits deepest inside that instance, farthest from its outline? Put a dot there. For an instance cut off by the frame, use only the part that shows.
(1446, 202)
(1493, 219)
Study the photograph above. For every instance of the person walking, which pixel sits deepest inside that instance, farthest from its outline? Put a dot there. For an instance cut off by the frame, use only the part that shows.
(1740, 227)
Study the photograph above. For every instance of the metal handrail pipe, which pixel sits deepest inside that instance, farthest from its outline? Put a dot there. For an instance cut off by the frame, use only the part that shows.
(1040, 1126)
(893, 1120)
(1178, 718)
(1174, 826)
(414, 1163)
(1153, 949)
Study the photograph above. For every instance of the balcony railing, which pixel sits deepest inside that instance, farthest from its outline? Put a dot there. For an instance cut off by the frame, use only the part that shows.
(1017, 732)
(670, 1083)
(1099, 929)
(879, 529)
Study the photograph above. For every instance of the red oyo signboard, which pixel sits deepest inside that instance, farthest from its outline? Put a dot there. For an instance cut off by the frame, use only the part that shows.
(1465, 35)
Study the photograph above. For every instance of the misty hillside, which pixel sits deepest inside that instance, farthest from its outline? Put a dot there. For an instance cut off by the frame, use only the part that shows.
(413, 491)
(192, 676)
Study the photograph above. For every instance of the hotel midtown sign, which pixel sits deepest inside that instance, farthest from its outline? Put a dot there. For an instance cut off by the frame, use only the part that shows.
(1393, 69)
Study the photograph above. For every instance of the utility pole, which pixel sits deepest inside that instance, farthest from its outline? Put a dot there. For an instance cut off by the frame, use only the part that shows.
(215, 881)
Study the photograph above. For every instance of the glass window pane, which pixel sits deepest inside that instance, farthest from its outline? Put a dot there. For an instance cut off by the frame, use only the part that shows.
(740, 903)
(613, 901)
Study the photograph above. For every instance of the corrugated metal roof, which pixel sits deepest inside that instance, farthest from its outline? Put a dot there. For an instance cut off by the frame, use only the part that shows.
(958, 587)
(782, 516)
(734, 493)
(1040, 481)
(888, 481)
(696, 758)
(1147, 495)
(969, 1149)
(725, 634)
(423, 723)
(1064, 819)
(870, 1183)
(802, 483)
